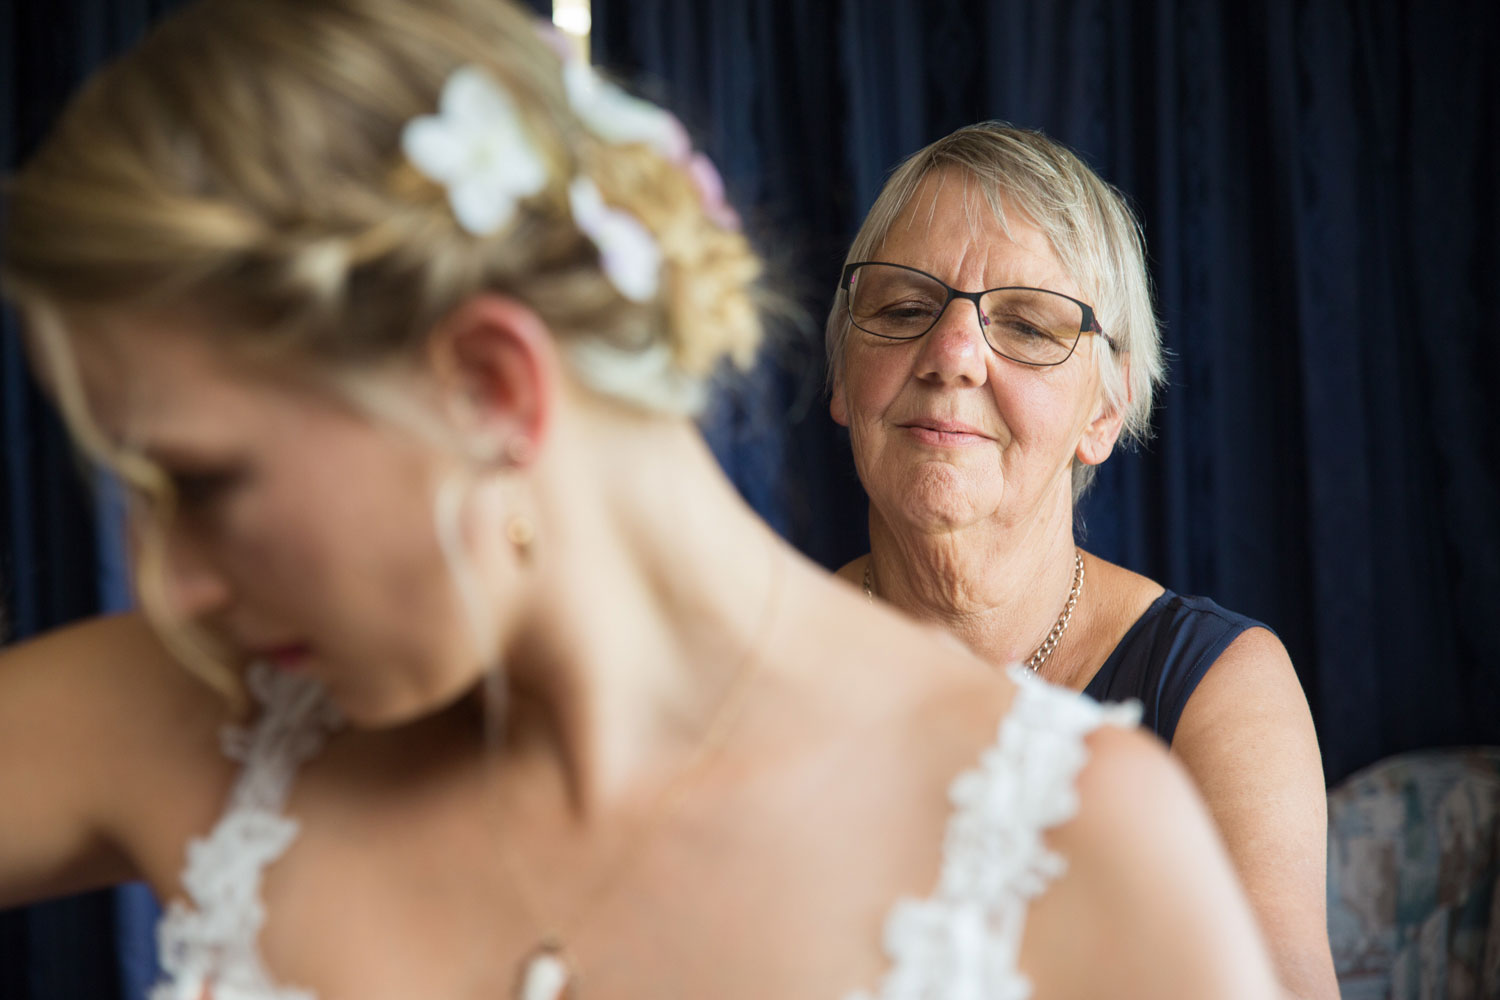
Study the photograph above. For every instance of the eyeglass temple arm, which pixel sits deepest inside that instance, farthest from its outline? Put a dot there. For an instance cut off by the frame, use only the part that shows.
(1092, 326)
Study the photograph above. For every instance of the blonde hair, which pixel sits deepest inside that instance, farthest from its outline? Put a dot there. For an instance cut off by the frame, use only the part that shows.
(1086, 221)
(244, 164)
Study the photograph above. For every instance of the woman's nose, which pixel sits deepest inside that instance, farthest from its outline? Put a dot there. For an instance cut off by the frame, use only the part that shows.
(197, 592)
(194, 587)
(954, 351)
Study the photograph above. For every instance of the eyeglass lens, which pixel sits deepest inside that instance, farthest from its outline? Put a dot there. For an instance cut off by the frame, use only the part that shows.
(1030, 325)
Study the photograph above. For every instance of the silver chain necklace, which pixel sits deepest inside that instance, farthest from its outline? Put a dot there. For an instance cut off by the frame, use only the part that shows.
(1058, 628)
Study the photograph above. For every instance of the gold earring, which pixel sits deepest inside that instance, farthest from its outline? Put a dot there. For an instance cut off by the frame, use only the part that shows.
(522, 534)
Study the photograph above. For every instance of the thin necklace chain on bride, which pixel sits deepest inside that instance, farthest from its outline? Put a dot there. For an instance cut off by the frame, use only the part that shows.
(549, 971)
(1058, 627)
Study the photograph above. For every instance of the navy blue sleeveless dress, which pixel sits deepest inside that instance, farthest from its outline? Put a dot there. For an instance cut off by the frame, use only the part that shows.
(1165, 654)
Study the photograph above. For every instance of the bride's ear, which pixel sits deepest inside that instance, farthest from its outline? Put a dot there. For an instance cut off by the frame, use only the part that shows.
(497, 370)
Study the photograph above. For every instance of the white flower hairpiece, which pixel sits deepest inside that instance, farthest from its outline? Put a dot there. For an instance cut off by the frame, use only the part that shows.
(628, 253)
(477, 147)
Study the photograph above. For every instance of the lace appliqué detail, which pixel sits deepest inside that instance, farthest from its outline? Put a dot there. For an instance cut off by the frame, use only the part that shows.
(963, 942)
(208, 947)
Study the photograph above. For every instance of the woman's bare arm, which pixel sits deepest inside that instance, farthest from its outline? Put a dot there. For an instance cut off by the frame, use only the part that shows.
(1246, 737)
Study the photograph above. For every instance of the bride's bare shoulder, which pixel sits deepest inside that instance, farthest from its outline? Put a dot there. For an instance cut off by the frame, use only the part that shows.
(128, 629)
(111, 674)
(1148, 888)
(96, 721)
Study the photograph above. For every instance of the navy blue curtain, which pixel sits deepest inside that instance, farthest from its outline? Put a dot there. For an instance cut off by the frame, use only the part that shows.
(59, 544)
(1317, 181)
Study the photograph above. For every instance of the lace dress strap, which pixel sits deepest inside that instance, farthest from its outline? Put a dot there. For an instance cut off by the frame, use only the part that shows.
(210, 943)
(964, 941)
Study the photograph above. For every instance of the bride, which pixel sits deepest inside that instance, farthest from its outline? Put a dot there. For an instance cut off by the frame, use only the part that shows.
(393, 320)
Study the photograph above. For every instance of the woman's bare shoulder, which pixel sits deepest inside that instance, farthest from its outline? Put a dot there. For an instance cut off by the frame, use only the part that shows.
(1122, 593)
(1148, 889)
(129, 632)
(114, 664)
(96, 719)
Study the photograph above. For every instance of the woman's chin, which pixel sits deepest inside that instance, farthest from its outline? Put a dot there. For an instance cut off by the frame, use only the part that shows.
(365, 707)
(916, 518)
(935, 498)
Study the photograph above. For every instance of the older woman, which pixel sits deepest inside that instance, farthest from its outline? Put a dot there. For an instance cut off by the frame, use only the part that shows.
(992, 338)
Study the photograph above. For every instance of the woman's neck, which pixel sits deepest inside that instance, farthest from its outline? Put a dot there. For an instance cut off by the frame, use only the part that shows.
(653, 598)
(998, 587)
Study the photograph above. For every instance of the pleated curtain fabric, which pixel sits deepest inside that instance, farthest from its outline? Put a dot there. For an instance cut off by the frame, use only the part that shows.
(1317, 182)
(59, 552)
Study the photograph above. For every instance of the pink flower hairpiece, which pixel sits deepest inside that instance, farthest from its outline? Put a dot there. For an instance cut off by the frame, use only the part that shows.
(628, 253)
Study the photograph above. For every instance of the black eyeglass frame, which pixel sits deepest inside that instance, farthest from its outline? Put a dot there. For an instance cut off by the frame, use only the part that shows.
(1089, 324)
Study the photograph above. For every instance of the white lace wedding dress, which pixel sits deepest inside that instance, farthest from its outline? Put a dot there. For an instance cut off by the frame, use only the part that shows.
(961, 943)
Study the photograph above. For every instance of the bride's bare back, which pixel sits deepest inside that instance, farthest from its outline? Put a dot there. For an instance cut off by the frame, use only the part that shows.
(775, 876)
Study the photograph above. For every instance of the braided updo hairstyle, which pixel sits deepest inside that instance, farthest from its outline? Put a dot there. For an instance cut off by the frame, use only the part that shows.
(245, 162)
(246, 158)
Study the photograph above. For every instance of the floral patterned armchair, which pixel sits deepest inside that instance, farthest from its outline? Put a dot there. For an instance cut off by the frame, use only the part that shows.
(1413, 867)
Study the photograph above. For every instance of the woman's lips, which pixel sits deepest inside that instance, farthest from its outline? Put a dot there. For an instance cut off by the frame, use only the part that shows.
(289, 657)
(945, 435)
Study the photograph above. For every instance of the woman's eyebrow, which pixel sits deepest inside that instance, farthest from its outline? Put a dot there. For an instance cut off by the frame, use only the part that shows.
(185, 455)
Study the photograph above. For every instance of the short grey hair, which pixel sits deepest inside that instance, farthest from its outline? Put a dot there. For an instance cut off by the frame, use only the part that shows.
(1088, 224)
